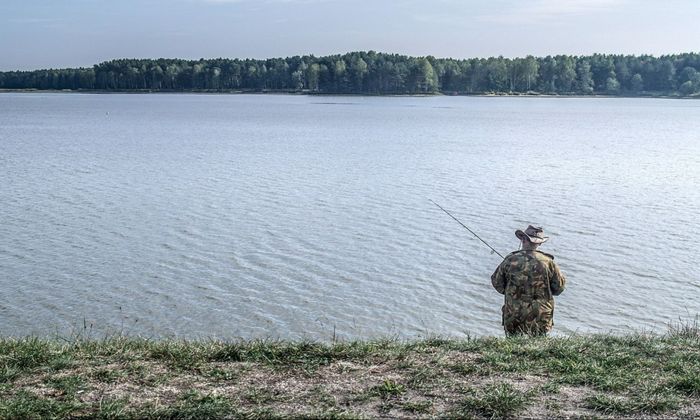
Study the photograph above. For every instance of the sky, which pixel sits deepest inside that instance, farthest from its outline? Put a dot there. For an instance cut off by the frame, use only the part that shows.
(73, 33)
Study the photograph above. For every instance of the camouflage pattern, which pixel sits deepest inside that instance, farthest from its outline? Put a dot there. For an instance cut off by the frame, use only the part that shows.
(529, 279)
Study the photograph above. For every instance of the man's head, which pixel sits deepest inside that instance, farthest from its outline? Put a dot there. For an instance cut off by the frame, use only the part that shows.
(532, 237)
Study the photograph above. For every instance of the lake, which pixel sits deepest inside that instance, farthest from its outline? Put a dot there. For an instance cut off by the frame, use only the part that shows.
(282, 216)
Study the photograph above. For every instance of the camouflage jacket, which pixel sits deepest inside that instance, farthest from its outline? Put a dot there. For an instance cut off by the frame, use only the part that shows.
(529, 280)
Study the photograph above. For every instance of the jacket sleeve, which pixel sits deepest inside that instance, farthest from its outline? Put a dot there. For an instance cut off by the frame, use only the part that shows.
(498, 279)
(557, 282)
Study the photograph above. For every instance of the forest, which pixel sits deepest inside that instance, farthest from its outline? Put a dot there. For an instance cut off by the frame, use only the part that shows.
(381, 73)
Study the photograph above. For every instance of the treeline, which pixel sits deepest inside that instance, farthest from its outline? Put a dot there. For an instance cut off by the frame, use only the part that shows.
(379, 73)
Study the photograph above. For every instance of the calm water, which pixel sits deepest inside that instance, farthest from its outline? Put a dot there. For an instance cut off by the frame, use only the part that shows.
(292, 216)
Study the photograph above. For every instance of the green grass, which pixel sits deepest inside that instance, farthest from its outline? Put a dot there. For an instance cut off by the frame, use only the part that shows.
(631, 375)
(550, 388)
(422, 377)
(113, 409)
(259, 396)
(21, 355)
(387, 389)
(67, 386)
(636, 404)
(499, 400)
(688, 384)
(106, 375)
(25, 405)
(417, 407)
(222, 375)
(192, 405)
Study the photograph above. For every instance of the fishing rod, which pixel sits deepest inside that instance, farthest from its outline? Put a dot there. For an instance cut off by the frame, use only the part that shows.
(465, 226)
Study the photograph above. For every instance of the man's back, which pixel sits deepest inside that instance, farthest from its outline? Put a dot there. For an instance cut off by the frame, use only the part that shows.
(529, 279)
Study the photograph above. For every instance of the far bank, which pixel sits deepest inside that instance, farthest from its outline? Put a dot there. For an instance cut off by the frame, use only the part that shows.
(321, 94)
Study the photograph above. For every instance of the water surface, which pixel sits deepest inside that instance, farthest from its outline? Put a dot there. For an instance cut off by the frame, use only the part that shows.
(295, 216)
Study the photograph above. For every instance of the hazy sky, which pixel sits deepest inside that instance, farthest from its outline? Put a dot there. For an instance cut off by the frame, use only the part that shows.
(70, 33)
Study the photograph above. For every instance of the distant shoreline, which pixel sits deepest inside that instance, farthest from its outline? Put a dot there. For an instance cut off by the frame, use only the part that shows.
(376, 73)
(308, 93)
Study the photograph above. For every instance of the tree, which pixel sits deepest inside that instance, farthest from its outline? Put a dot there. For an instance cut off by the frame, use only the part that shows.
(85, 81)
(497, 75)
(477, 78)
(339, 70)
(451, 77)
(312, 74)
(548, 75)
(687, 74)
(690, 79)
(358, 69)
(213, 80)
(612, 86)
(528, 71)
(687, 88)
(566, 73)
(250, 75)
(637, 83)
(602, 68)
(622, 72)
(171, 72)
(425, 77)
(361, 72)
(665, 75)
(584, 77)
(298, 80)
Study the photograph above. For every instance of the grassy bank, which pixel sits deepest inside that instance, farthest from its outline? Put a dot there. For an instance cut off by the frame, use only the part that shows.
(600, 376)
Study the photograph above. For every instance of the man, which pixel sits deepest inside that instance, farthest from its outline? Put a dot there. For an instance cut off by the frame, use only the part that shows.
(529, 279)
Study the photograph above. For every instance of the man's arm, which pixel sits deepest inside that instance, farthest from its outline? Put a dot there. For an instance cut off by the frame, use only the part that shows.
(498, 279)
(557, 282)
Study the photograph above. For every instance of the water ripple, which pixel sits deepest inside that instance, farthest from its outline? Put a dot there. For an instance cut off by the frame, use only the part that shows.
(240, 216)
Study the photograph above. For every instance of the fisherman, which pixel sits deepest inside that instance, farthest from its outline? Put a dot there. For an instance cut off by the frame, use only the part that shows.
(529, 279)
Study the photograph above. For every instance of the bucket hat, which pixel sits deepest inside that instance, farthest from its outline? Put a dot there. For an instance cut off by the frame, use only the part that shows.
(533, 234)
